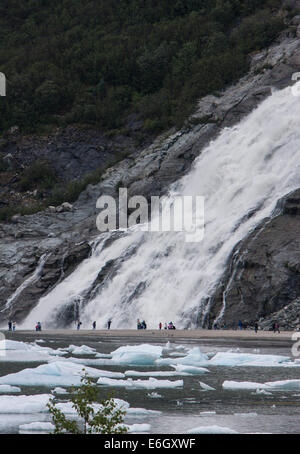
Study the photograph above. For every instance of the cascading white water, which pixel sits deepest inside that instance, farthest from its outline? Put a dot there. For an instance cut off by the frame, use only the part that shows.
(245, 170)
(34, 277)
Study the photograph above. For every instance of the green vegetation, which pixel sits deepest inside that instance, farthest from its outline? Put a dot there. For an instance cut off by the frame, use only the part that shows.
(97, 61)
(108, 420)
(38, 175)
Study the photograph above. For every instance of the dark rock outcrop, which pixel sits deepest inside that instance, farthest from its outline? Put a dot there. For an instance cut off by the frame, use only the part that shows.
(263, 273)
(46, 272)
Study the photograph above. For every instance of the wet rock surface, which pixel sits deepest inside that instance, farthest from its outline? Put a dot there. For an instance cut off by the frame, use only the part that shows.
(146, 172)
(262, 281)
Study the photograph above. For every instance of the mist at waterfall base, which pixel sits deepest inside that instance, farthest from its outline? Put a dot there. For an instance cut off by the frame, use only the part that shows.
(160, 277)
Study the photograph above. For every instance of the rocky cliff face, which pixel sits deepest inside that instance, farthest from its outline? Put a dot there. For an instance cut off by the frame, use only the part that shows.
(262, 281)
(37, 251)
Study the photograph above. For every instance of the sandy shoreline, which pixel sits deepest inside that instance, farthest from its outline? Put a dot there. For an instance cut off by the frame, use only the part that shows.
(244, 336)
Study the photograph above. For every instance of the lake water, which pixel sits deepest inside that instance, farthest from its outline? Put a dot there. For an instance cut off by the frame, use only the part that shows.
(243, 411)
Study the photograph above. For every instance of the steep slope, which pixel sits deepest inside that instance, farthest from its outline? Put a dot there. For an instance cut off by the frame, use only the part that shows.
(25, 242)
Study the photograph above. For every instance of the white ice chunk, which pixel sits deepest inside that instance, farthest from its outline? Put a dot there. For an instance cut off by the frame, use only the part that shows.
(143, 354)
(37, 426)
(103, 355)
(154, 395)
(7, 389)
(82, 350)
(24, 404)
(59, 390)
(211, 430)
(193, 358)
(171, 373)
(151, 383)
(206, 387)
(93, 361)
(190, 369)
(141, 412)
(282, 385)
(249, 359)
(132, 428)
(56, 373)
(68, 409)
(14, 351)
(243, 385)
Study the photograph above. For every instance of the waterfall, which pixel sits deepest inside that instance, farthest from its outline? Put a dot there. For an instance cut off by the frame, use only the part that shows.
(160, 277)
(30, 280)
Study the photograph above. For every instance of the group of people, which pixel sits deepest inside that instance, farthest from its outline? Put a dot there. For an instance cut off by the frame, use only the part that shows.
(94, 324)
(38, 326)
(141, 325)
(170, 325)
(12, 326)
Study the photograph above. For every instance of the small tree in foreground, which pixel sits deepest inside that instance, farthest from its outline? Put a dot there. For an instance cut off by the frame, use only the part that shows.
(108, 420)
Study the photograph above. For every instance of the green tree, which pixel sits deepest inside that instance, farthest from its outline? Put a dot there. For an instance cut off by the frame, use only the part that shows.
(108, 420)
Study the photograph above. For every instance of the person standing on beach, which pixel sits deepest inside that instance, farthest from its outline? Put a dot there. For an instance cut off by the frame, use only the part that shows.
(79, 324)
(14, 326)
(9, 325)
(94, 325)
(160, 325)
(256, 327)
(108, 324)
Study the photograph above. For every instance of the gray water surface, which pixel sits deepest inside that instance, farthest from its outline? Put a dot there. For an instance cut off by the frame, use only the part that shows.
(243, 411)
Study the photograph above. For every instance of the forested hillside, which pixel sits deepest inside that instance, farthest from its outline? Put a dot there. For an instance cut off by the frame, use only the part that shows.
(99, 61)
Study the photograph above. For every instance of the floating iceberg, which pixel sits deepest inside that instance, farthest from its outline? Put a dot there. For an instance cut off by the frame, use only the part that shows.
(249, 359)
(14, 351)
(193, 358)
(282, 385)
(60, 391)
(93, 361)
(24, 404)
(171, 373)
(141, 412)
(152, 383)
(154, 395)
(211, 430)
(82, 350)
(191, 370)
(242, 385)
(132, 428)
(206, 387)
(37, 426)
(56, 373)
(7, 389)
(138, 355)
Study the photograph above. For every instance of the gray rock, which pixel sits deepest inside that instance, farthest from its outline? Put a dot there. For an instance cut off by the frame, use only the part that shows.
(263, 274)
(296, 20)
(67, 206)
